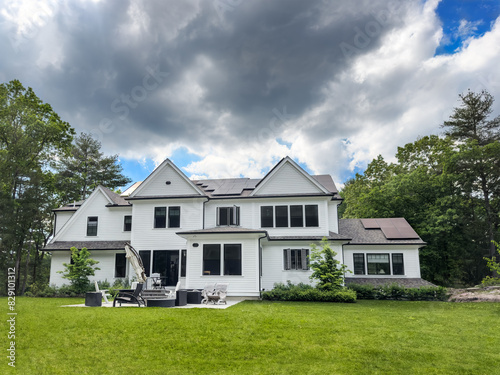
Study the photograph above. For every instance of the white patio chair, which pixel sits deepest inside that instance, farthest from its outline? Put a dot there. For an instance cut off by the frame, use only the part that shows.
(209, 289)
(172, 293)
(103, 291)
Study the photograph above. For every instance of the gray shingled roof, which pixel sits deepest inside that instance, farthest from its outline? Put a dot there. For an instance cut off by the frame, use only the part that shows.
(223, 230)
(116, 198)
(90, 245)
(406, 282)
(332, 237)
(354, 229)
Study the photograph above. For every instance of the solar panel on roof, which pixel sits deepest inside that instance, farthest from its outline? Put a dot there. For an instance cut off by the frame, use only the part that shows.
(370, 223)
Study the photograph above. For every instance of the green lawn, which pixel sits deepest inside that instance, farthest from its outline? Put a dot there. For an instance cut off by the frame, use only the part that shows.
(256, 337)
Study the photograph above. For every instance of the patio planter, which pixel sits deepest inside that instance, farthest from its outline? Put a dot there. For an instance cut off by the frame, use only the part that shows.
(93, 299)
(194, 297)
(181, 297)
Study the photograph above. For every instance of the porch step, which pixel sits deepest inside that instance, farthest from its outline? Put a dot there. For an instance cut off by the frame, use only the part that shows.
(153, 294)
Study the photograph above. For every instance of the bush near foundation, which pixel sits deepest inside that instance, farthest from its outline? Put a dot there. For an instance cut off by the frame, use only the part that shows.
(305, 292)
(398, 292)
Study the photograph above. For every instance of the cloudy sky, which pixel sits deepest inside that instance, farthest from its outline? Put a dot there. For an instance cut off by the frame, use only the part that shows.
(226, 88)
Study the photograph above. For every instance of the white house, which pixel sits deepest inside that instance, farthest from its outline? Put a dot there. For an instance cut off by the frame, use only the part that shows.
(250, 233)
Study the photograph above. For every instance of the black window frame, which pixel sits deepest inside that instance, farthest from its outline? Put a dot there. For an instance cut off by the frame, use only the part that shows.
(311, 220)
(296, 221)
(92, 229)
(183, 262)
(120, 265)
(228, 216)
(296, 259)
(211, 267)
(369, 270)
(400, 268)
(145, 256)
(359, 263)
(174, 220)
(127, 226)
(281, 219)
(234, 263)
(267, 216)
(160, 217)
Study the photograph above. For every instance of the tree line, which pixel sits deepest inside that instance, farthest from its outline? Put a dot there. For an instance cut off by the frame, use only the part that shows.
(447, 187)
(43, 164)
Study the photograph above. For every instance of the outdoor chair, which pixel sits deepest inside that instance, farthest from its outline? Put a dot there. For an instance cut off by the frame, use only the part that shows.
(207, 290)
(127, 297)
(171, 293)
(103, 291)
(215, 293)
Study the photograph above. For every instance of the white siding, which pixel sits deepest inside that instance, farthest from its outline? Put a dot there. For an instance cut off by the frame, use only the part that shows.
(333, 223)
(106, 259)
(250, 214)
(156, 185)
(109, 224)
(62, 218)
(245, 285)
(146, 237)
(272, 263)
(287, 180)
(410, 258)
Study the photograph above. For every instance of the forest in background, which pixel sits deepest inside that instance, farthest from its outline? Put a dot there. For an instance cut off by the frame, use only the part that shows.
(447, 187)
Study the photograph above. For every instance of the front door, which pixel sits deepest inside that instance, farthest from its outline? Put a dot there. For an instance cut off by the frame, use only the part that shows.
(166, 263)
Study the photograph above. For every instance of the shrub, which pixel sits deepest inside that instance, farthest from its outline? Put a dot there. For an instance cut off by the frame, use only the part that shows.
(78, 272)
(490, 281)
(327, 270)
(397, 292)
(305, 292)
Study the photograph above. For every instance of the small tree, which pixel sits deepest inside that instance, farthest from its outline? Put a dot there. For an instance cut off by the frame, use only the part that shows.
(80, 270)
(327, 270)
(494, 267)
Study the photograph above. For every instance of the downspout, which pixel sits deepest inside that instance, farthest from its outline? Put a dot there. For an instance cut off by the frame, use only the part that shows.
(260, 266)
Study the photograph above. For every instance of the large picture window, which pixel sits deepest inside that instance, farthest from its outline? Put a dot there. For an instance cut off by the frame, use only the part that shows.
(378, 264)
(296, 259)
(92, 226)
(232, 259)
(120, 265)
(228, 216)
(146, 260)
(211, 259)
(226, 258)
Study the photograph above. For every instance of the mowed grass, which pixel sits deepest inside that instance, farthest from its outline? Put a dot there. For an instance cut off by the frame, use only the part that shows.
(256, 337)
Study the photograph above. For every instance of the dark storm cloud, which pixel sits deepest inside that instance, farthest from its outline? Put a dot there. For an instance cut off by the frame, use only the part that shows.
(261, 55)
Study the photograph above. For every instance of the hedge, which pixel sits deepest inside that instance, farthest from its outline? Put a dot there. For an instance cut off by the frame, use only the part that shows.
(397, 292)
(303, 292)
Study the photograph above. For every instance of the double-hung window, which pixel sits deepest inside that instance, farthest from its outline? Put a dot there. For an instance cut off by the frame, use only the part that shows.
(173, 219)
(228, 216)
(281, 216)
(359, 263)
(92, 226)
(127, 223)
(120, 265)
(226, 258)
(296, 259)
(266, 217)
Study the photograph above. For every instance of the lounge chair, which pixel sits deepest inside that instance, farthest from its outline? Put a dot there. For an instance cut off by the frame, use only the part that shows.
(103, 291)
(127, 297)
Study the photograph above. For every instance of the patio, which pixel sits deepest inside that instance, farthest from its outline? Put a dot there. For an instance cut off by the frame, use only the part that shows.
(230, 302)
